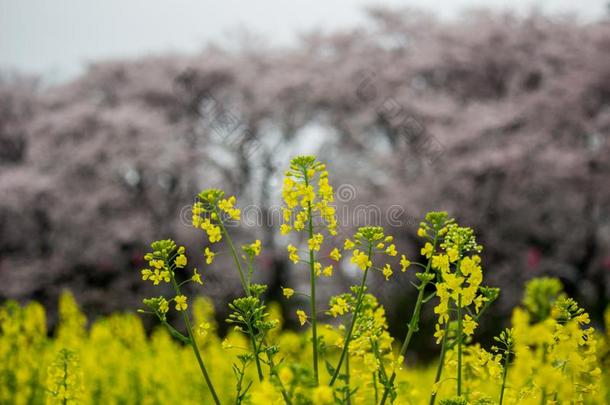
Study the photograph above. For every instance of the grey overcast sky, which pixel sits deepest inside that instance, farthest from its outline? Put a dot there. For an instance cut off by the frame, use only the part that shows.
(58, 38)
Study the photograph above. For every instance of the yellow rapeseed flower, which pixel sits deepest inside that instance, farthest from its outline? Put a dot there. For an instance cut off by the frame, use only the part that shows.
(391, 250)
(404, 263)
(302, 317)
(335, 254)
(317, 267)
(180, 261)
(427, 250)
(209, 255)
(339, 307)
(361, 259)
(288, 292)
(387, 271)
(196, 277)
(293, 254)
(163, 305)
(180, 301)
(469, 325)
(203, 328)
(315, 242)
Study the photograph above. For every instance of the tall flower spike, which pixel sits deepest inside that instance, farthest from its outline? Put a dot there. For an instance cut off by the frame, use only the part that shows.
(366, 243)
(307, 195)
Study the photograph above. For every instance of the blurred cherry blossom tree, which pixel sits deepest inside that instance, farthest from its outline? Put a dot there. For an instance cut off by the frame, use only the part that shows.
(501, 120)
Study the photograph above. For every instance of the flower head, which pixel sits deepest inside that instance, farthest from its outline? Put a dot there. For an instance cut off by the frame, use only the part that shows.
(161, 263)
(348, 245)
(253, 249)
(210, 209)
(203, 328)
(361, 259)
(315, 242)
(303, 195)
(180, 301)
(387, 271)
(209, 255)
(335, 254)
(302, 316)
(338, 306)
(196, 277)
(404, 263)
(288, 292)
(293, 254)
(391, 250)
(180, 261)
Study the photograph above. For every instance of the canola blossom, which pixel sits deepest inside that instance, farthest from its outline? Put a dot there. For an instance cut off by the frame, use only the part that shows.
(341, 352)
(114, 360)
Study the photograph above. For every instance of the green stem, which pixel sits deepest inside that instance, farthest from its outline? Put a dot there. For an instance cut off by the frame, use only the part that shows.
(412, 327)
(375, 386)
(246, 288)
(382, 373)
(543, 398)
(505, 372)
(348, 337)
(459, 341)
(446, 346)
(349, 396)
(65, 380)
(199, 359)
(242, 278)
(256, 351)
(246, 285)
(312, 293)
(193, 343)
(441, 363)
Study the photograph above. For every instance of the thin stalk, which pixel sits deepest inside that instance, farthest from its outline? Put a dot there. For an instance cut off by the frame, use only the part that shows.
(375, 386)
(412, 326)
(543, 399)
(349, 397)
(348, 337)
(441, 363)
(312, 294)
(459, 342)
(65, 380)
(242, 278)
(256, 351)
(193, 344)
(246, 288)
(445, 346)
(505, 372)
(382, 373)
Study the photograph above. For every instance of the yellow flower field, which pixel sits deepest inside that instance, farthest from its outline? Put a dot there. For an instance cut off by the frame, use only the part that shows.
(550, 354)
